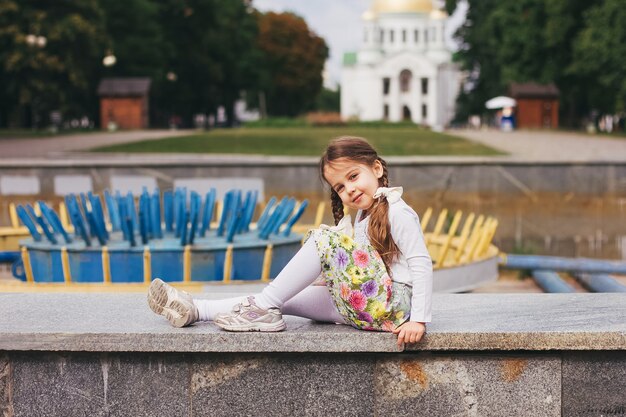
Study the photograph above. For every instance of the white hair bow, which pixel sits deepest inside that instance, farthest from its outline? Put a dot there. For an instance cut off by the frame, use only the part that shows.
(391, 194)
(344, 226)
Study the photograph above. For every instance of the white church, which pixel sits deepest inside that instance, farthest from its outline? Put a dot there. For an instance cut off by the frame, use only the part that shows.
(403, 70)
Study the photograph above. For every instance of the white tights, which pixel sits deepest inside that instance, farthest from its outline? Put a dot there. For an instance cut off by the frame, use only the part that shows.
(290, 291)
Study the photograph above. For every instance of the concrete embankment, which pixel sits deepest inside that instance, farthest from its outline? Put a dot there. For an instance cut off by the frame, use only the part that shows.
(484, 354)
(300, 174)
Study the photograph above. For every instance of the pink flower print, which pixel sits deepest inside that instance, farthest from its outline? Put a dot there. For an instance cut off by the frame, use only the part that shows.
(370, 288)
(341, 259)
(387, 281)
(364, 316)
(388, 294)
(361, 258)
(357, 300)
(345, 290)
(387, 326)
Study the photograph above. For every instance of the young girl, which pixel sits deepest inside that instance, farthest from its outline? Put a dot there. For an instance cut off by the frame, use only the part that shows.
(378, 276)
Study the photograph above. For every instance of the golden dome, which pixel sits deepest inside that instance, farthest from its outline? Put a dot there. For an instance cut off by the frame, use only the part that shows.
(402, 6)
(368, 15)
(438, 14)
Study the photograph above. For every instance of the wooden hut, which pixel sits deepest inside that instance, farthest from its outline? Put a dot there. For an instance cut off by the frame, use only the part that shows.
(124, 102)
(537, 105)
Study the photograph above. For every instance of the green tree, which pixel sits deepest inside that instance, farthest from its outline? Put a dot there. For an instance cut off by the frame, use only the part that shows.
(49, 58)
(294, 58)
(134, 37)
(599, 52)
(328, 100)
(136, 40)
(522, 41)
(211, 49)
(564, 21)
(477, 56)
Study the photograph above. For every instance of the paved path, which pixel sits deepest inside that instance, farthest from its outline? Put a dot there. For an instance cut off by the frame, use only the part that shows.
(539, 146)
(51, 146)
(550, 146)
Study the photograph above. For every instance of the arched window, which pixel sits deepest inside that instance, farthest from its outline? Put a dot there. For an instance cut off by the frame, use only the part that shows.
(406, 113)
(405, 81)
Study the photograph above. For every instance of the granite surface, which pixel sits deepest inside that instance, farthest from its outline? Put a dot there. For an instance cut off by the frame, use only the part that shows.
(470, 385)
(284, 385)
(293, 384)
(88, 384)
(594, 385)
(476, 322)
(6, 386)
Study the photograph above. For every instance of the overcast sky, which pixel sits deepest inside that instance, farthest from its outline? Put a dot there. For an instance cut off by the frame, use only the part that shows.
(339, 23)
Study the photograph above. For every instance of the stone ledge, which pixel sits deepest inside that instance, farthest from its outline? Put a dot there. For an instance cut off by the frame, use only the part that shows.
(467, 322)
(90, 159)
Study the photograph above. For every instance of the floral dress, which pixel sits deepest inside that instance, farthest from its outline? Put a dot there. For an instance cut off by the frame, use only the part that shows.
(358, 282)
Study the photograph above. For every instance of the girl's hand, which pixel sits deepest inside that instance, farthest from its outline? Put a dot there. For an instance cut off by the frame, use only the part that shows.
(410, 332)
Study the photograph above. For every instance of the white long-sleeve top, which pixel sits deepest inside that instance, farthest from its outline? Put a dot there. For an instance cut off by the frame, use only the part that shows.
(413, 266)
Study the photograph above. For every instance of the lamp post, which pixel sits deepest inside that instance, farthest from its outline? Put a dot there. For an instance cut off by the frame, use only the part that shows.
(35, 42)
(173, 119)
(109, 59)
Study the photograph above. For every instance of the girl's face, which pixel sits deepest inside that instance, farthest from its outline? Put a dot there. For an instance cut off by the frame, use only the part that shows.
(355, 182)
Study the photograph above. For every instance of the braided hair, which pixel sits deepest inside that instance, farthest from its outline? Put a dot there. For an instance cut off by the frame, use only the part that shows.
(337, 206)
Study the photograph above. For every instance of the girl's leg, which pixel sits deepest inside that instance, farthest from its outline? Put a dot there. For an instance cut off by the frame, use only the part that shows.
(209, 309)
(298, 274)
(313, 303)
(291, 284)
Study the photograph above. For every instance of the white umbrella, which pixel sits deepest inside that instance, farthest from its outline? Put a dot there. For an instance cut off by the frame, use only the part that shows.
(500, 102)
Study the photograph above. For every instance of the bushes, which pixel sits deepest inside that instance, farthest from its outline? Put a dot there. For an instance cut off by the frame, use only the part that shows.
(324, 119)
(278, 122)
(327, 119)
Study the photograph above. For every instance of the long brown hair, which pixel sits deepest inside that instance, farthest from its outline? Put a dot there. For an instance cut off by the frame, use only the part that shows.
(379, 230)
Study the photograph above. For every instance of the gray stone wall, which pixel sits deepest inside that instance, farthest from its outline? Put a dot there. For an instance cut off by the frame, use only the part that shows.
(577, 384)
(300, 176)
(526, 355)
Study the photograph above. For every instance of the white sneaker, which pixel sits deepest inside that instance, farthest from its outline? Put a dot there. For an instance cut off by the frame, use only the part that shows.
(176, 306)
(248, 317)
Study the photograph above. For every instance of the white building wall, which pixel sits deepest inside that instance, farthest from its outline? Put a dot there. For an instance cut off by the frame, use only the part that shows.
(399, 23)
(416, 98)
(361, 94)
(449, 82)
(431, 118)
(371, 95)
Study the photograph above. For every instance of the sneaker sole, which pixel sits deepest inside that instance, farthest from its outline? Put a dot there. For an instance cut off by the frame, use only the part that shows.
(176, 313)
(255, 327)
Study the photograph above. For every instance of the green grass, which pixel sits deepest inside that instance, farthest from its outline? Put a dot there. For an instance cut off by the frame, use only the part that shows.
(308, 141)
